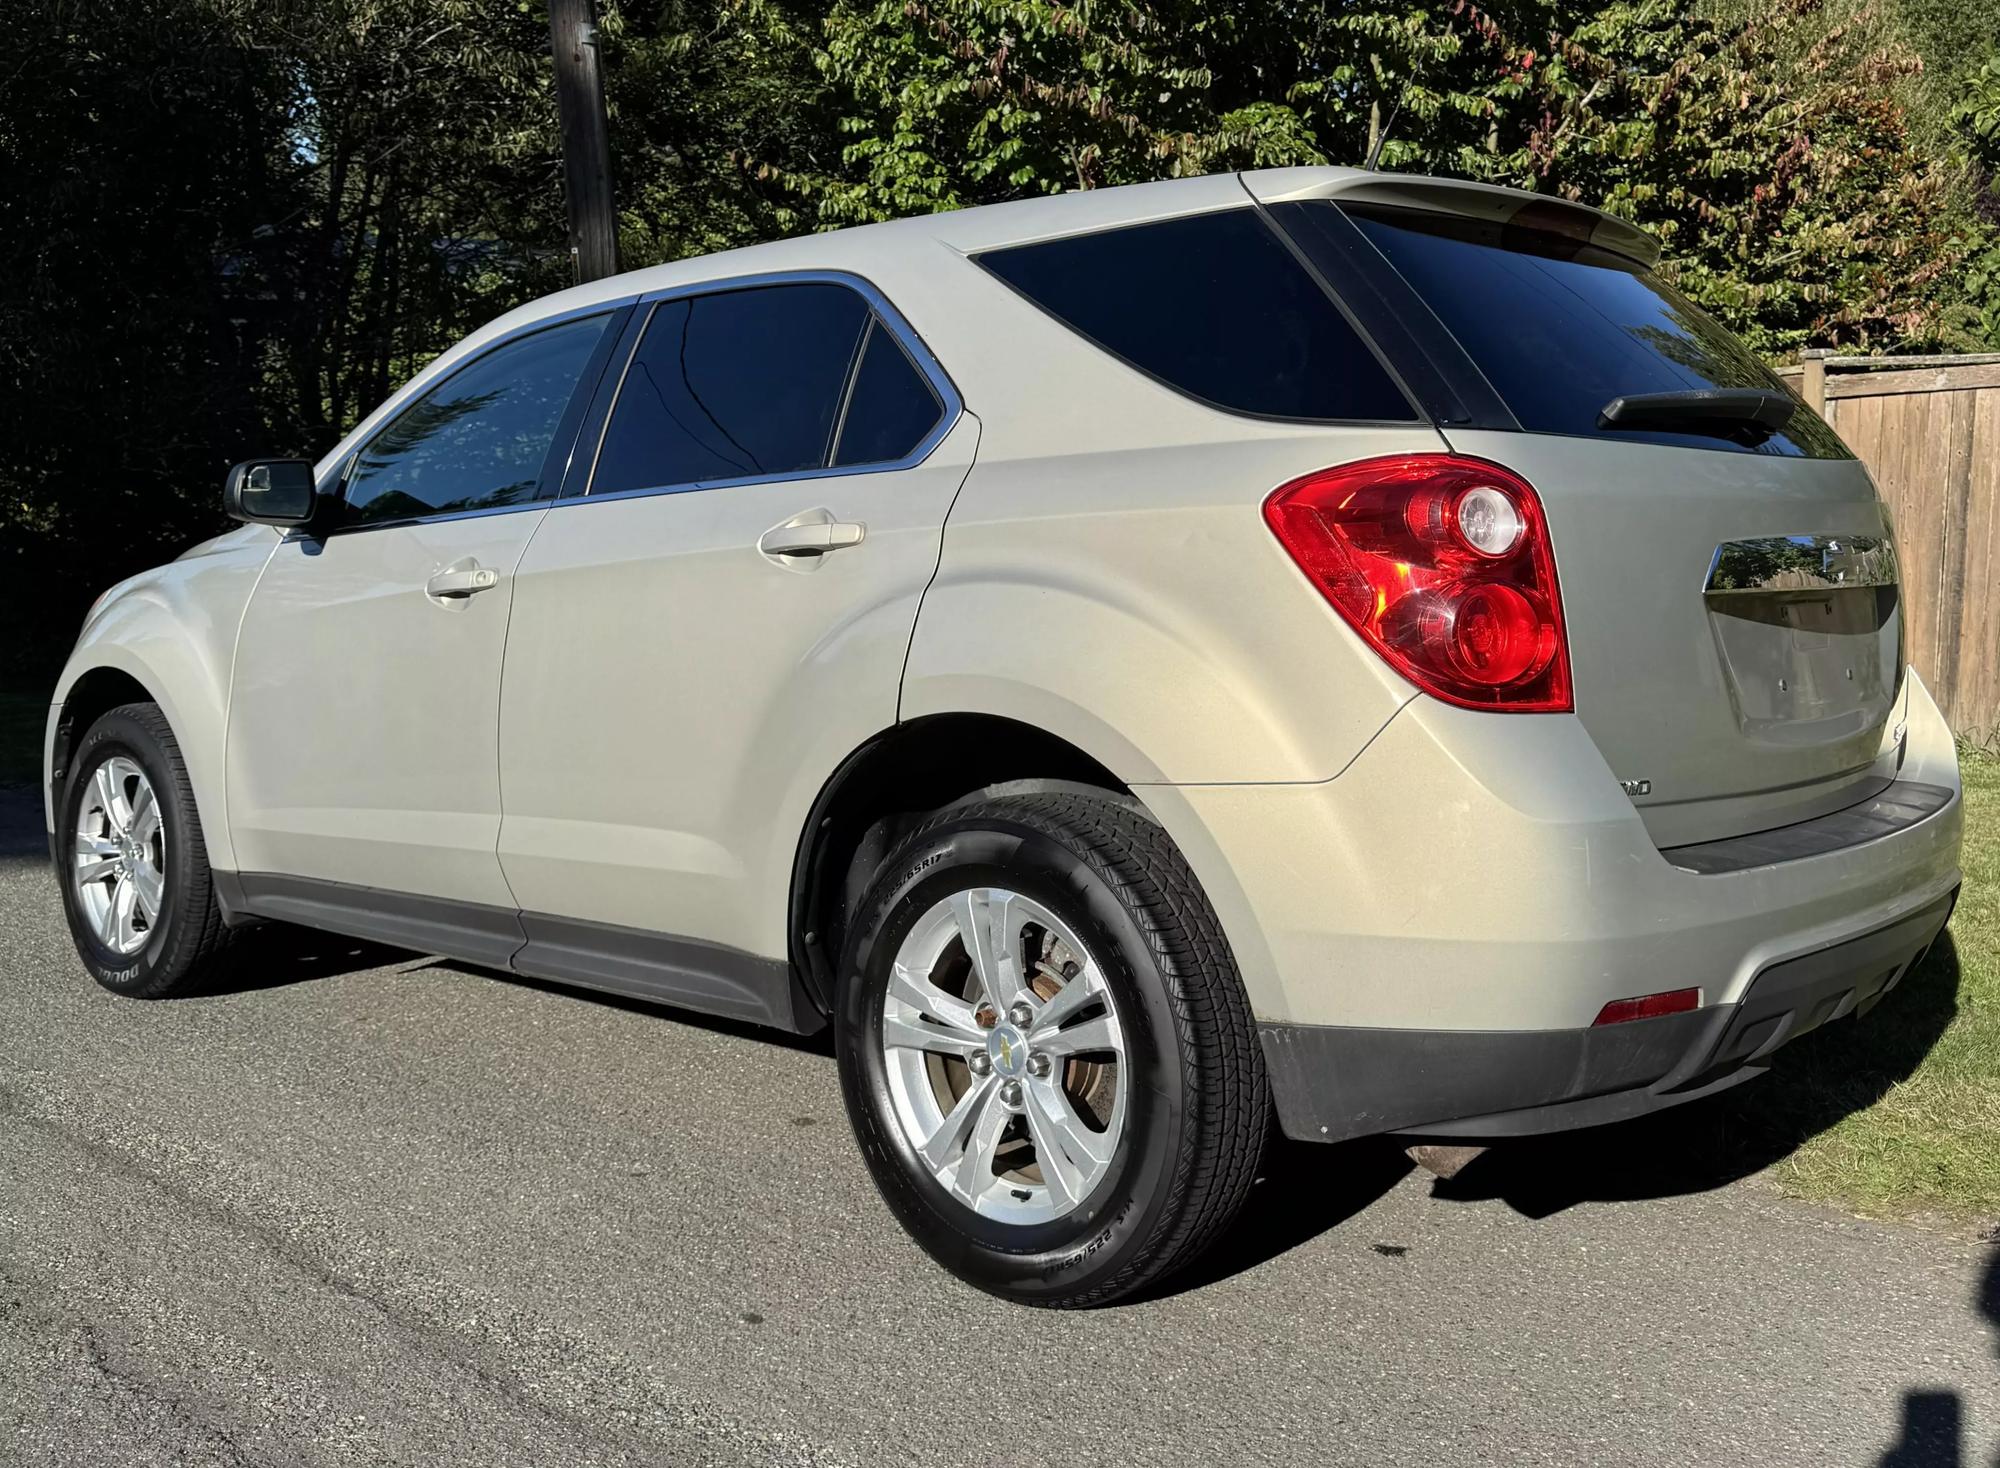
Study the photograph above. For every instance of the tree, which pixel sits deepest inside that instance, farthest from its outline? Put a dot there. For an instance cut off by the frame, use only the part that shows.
(705, 97)
(1779, 171)
(134, 136)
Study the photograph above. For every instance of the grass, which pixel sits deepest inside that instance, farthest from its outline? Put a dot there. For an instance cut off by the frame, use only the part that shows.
(24, 712)
(1899, 1114)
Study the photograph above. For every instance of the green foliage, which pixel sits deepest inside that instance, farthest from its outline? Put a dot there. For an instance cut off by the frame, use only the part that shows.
(701, 91)
(1770, 152)
(132, 142)
(1776, 167)
(232, 226)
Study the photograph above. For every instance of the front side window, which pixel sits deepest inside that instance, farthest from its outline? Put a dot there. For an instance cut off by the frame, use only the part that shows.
(480, 439)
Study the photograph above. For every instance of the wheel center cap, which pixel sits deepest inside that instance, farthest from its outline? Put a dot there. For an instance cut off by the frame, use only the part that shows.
(1007, 1048)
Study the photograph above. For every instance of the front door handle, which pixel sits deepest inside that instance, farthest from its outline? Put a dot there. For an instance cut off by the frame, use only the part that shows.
(812, 534)
(457, 582)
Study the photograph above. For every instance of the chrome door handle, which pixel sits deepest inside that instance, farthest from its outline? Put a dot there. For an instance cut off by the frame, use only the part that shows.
(802, 536)
(461, 581)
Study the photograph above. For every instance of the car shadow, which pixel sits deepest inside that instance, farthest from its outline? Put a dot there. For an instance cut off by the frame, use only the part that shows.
(1302, 1190)
(819, 1043)
(1306, 1188)
(272, 955)
(23, 838)
(276, 955)
(1839, 1069)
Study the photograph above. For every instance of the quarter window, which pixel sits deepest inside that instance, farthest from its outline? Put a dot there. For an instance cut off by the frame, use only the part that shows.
(479, 440)
(892, 406)
(1214, 305)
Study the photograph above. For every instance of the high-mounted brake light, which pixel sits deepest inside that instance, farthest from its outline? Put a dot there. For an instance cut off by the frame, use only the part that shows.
(1443, 565)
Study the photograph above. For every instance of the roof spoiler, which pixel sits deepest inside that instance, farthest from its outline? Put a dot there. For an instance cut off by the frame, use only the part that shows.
(1456, 196)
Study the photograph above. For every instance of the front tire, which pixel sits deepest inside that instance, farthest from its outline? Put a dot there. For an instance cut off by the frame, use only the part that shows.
(1046, 1050)
(132, 863)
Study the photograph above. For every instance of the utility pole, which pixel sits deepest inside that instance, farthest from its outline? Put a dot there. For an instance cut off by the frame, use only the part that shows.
(593, 228)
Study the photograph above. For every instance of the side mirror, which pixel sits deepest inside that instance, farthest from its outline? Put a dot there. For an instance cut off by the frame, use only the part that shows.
(270, 492)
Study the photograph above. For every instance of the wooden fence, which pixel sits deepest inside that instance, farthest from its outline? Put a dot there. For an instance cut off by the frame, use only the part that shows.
(1928, 428)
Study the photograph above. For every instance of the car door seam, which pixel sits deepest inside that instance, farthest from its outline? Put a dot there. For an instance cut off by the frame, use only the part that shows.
(937, 566)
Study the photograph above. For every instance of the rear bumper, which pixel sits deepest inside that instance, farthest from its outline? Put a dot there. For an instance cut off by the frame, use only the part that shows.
(1331, 1082)
(1449, 915)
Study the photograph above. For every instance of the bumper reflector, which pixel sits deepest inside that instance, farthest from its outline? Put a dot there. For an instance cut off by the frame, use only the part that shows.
(1648, 1006)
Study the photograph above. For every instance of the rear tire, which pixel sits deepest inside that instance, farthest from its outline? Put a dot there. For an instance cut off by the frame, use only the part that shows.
(133, 866)
(1151, 1165)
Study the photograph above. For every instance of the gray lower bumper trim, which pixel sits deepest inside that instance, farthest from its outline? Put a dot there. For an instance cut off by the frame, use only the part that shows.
(1332, 1082)
(1896, 807)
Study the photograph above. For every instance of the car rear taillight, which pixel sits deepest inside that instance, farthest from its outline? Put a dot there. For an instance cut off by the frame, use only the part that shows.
(1443, 565)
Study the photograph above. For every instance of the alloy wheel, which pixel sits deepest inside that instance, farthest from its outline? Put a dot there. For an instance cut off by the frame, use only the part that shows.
(1005, 1056)
(119, 861)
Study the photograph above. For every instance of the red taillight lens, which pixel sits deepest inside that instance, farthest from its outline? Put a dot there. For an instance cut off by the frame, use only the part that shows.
(1648, 1006)
(1443, 565)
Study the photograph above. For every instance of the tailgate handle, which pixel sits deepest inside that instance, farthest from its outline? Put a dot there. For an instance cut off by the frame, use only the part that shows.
(1772, 564)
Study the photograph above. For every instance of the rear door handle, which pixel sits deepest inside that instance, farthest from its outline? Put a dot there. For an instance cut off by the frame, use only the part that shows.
(461, 581)
(812, 534)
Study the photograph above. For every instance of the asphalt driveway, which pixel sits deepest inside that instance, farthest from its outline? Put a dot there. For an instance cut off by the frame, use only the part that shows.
(369, 1208)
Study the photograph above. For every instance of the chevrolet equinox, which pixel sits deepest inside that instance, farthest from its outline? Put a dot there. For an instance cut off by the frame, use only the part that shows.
(1354, 650)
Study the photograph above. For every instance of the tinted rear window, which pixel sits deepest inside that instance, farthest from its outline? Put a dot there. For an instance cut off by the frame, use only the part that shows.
(1561, 327)
(1214, 305)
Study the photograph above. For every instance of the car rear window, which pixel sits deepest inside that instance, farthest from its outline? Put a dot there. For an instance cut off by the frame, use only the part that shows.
(1560, 327)
(1215, 306)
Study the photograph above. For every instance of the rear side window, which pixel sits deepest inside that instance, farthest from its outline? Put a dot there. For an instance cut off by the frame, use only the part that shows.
(735, 385)
(1561, 327)
(479, 439)
(1215, 306)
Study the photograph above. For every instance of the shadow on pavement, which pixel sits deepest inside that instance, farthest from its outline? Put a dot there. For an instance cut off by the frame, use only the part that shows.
(1933, 1427)
(1837, 1070)
(817, 1044)
(22, 835)
(274, 955)
(1302, 1190)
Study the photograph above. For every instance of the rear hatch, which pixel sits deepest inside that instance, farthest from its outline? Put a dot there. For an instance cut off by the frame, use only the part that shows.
(1726, 573)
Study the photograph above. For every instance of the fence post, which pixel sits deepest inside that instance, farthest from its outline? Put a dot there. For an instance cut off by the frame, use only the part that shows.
(1812, 378)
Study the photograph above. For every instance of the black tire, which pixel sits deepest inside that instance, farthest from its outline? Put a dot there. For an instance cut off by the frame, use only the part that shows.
(188, 939)
(1198, 1103)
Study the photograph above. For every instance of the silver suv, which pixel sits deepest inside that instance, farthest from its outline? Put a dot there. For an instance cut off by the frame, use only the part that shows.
(1348, 649)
